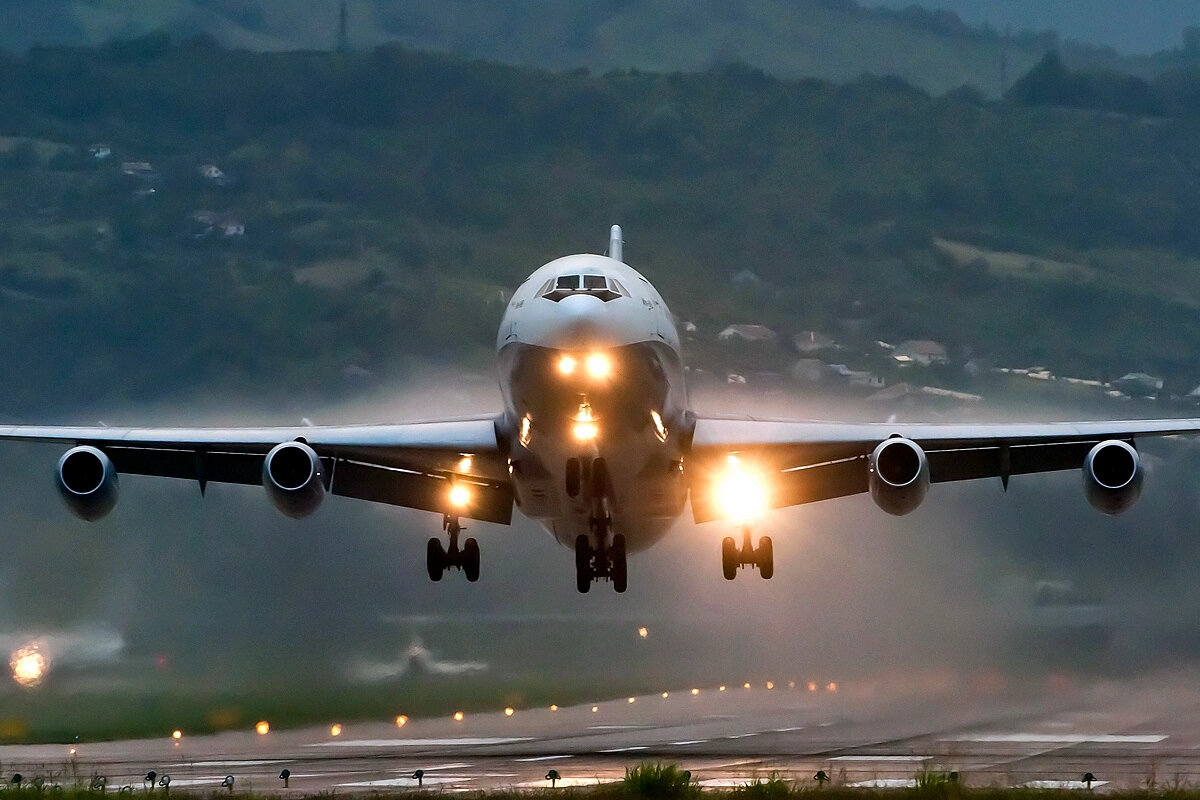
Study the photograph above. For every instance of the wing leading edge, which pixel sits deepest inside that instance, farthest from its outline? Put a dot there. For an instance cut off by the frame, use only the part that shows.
(408, 465)
(812, 461)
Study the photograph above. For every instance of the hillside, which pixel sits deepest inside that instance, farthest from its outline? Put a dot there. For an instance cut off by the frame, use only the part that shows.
(834, 40)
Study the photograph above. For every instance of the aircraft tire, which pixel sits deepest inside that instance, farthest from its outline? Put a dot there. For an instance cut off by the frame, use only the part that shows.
(729, 558)
(435, 559)
(620, 575)
(471, 559)
(583, 564)
(765, 556)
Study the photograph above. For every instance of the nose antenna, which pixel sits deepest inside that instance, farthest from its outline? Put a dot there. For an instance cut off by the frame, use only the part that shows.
(615, 241)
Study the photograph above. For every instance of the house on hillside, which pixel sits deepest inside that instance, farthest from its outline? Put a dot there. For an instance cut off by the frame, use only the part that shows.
(920, 351)
(747, 333)
(812, 341)
(1138, 383)
(811, 370)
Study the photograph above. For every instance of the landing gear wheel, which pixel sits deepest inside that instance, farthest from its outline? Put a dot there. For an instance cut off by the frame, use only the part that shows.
(620, 576)
(435, 559)
(729, 558)
(765, 556)
(470, 560)
(583, 564)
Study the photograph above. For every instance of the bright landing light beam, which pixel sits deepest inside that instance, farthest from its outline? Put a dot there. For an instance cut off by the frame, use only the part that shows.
(741, 494)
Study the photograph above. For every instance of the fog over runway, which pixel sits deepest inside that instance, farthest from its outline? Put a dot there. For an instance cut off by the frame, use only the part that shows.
(872, 732)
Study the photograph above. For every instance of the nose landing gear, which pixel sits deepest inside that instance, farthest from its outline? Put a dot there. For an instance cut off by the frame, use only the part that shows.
(733, 559)
(439, 559)
(592, 563)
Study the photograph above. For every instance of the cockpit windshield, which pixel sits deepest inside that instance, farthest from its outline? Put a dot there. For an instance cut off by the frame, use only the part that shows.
(601, 286)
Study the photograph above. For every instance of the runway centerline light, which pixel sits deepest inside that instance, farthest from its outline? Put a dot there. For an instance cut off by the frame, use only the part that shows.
(335, 730)
(262, 728)
(599, 365)
(401, 721)
(508, 712)
(458, 716)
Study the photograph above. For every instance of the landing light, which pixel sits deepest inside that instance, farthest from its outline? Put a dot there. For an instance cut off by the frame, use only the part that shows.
(741, 494)
(460, 496)
(599, 365)
(660, 432)
(28, 665)
(566, 365)
(585, 427)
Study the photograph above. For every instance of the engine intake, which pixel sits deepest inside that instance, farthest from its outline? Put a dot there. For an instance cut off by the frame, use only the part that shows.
(293, 480)
(87, 482)
(899, 476)
(1112, 476)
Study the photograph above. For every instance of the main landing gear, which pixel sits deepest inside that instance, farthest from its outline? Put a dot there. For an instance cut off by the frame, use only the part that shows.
(733, 559)
(439, 559)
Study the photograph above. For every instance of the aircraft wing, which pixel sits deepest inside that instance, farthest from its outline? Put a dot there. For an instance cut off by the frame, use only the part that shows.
(407, 464)
(811, 461)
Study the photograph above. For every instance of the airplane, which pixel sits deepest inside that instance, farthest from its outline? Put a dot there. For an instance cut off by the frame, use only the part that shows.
(596, 441)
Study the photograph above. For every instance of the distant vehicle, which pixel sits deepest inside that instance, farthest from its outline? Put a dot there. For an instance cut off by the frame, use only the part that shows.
(597, 442)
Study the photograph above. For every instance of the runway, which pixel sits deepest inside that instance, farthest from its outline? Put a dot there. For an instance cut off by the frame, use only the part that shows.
(881, 732)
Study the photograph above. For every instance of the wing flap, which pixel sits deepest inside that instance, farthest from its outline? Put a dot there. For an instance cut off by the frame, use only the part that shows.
(490, 501)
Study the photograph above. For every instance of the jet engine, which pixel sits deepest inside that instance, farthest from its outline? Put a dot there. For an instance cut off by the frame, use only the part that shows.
(87, 481)
(899, 476)
(1112, 476)
(292, 478)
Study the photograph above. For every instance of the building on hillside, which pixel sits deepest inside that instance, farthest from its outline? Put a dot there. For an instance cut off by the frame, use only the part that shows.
(1138, 383)
(920, 351)
(812, 341)
(747, 333)
(811, 370)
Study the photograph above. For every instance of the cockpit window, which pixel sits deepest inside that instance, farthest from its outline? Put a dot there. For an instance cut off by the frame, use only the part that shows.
(600, 286)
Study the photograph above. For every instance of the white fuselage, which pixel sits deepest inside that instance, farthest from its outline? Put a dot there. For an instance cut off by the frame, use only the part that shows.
(590, 370)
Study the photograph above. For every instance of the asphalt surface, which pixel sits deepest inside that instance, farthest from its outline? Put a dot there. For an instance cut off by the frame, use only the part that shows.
(882, 732)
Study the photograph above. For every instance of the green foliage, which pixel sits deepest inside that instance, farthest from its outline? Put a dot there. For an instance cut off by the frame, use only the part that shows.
(659, 781)
(772, 787)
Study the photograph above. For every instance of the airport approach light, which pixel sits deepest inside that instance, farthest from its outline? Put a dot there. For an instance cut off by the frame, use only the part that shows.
(666, 695)
(741, 494)
(599, 366)
(643, 633)
(632, 700)
(262, 728)
(746, 685)
(812, 686)
(401, 721)
(770, 684)
(335, 729)
(458, 716)
(721, 688)
(695, 692)
(508, 712)
(791, 684)
(566, 365)
(460, 496)
(832, 686)
(176, 734)
(595, 709)
(29, 665)
(71, 752)
(554, 707)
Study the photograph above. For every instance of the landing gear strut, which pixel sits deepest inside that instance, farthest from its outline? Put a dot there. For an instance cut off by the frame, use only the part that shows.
(439, 559)
(733, 559)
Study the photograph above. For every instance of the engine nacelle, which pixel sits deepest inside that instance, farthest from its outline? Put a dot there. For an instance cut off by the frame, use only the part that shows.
(293, 480)
(899, 475)
(87, 482)
(1112, 476)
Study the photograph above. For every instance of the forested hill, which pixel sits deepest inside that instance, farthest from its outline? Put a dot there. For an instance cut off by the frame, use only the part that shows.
(179, 218)
(829, 39)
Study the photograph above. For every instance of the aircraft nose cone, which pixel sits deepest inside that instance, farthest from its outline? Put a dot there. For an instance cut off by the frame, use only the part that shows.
(583, 322)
